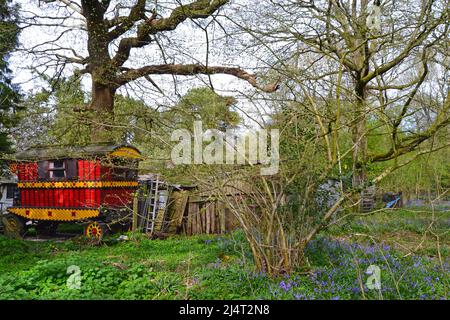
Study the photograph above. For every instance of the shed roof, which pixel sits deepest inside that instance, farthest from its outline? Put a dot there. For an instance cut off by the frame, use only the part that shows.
(64, 152)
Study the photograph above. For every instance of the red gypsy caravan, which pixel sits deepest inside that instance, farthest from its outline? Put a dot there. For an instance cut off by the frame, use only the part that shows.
(94, 185)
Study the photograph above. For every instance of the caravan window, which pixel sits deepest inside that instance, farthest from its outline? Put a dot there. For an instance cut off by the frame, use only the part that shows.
(57, 169)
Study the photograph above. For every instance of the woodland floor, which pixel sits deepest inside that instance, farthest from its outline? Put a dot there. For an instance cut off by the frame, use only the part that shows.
(410, 247)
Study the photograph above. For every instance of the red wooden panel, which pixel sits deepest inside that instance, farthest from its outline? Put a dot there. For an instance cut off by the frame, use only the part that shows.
(96, 169)
(20, 171)
(97, 197)
(41, 198)
(89, 170)
(23, 197)
(86, 170)
(71, 198)
(117, 197)
(92, 197)
(46, 196)
(106, 173)
(82, 195)
(58, 197)
(105, 196)
(24, 169)
(38, 198)
(32, 171)
(32, 201)
(63, 198)
(28, 171)
(114, 196)
(80, 170)
(29, 197)
(65, 202)
(92, 191)
(52, 197)
(87, 197)
(66, 198)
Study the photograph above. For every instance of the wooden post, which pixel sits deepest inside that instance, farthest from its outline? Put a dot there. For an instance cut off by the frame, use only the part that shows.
(135, 213)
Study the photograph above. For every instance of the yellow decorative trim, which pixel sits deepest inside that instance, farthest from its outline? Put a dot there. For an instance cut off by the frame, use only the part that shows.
(78, 184)
(56, 214)
(125, 152)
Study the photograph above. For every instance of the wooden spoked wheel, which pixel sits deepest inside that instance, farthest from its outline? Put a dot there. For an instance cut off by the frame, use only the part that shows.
(95, 230)
(14, 226)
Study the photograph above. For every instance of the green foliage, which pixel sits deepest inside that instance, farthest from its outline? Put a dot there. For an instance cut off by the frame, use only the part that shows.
(200, 104)
(9, 93)
(206, 105)
(429, 173)
(221, 267)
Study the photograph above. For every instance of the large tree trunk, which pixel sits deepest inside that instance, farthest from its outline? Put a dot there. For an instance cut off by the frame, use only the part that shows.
(101, 70)
(359, 159)
(359, 134)
(102, 107)
(359, 138)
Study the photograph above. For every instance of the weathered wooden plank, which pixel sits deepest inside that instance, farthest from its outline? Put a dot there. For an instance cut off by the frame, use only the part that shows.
(212, 210)
(190, 215)
(199, 223)
(221, 214)
(159, 219)
(203, 219)
(182, 210)
(195, 217)
(214, 222)
(208, 218)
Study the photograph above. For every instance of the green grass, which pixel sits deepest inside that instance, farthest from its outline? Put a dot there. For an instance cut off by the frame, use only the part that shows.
(220, 267)
(411, 231)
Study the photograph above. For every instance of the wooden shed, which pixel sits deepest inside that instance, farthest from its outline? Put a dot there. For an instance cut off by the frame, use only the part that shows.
(192, 210)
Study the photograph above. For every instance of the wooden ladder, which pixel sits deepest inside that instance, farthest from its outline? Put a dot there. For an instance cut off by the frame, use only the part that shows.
(368, 199)
(148, 200)
(152, 205)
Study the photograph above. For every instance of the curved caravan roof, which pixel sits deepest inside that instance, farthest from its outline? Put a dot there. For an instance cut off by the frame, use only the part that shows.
(78, 152)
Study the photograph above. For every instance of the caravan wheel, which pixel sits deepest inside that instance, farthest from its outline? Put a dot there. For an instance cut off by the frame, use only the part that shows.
(14, 226)
(95, 230)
